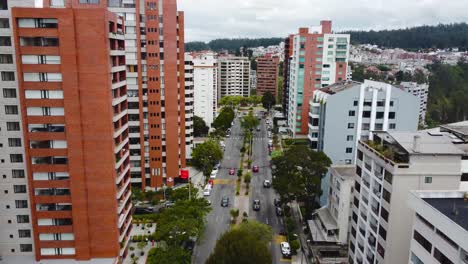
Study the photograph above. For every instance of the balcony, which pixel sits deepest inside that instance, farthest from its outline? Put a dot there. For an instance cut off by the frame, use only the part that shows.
(388, 153)
(375, 209)
(49, 160)
(121, 173)
(124, 201)
(370, 258)
(123, 188)
(362, 231)
(124, 215)
(53, 207)
(49, 128)
(51, 192)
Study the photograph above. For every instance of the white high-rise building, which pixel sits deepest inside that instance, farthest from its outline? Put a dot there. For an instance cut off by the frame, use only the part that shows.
(421, 91)
(189, 96)
(205, 81)
(440, 227)
(387, 169)
(234, 76)
(16, 223)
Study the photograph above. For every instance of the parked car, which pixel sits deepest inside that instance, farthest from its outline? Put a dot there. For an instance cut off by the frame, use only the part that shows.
(255, 168)
(207, 190)
(213, 174)
(258, 128)
(285, 249)
(256, 205)
(267, 183)
(276, 201)
(225, 201)
(232, 171)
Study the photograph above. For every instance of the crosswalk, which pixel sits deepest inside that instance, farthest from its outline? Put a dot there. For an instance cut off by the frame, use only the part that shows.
(255, 138)
(224, 181)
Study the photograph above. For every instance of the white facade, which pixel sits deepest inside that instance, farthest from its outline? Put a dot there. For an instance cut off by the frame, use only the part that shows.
(189, 105)
(16, 234)
(381, 220)
(331, 222)
(205, 80)
(439, 235)
(234, 76)
(421, 91)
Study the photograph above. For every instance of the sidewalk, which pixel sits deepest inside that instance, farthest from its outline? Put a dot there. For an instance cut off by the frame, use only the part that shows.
(303, 238)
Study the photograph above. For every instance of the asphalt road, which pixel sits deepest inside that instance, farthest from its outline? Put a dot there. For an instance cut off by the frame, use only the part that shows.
(218, 219)
(267, 213)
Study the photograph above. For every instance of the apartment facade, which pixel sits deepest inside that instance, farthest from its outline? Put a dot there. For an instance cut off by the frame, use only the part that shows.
(73, 94)
(233, 76)
(422, 92)
(205, 79)
(16, 223)
(440, 227)
(345, 112)
(189, 104)
(267, 75)
(387, 169)
(154, 51)
(288, 52)
(318, 58)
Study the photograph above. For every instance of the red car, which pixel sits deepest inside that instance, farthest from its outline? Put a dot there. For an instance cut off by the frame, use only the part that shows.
(232, 171)
(255, 168)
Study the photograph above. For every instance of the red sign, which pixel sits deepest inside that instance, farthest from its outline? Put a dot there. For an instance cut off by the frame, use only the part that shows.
(184, 174)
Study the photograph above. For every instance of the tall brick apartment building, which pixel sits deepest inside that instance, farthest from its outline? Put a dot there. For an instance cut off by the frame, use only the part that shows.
(267, 75)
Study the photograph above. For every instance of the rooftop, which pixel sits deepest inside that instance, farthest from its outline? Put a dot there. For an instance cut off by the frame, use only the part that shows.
(456, 209)
(460, 129)
(344, 170)
(339, 86)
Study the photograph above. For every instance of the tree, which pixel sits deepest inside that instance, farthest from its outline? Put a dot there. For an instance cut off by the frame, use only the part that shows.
(298, 174)
(181, 194)
(200, 129)
(255, 99)
(168, 256)
(231, 100)
(280, 90)
(268, 100)
(224, 119)
(243, 245)
(206, 155)
(249, 122)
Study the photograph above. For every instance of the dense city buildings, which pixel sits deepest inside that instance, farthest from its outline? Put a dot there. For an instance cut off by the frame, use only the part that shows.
(440, 227)
(189, 104)
(345, 112)
(16, 222)
(205, 79)
(154, 52)
(73, 95)
(316, 58)
(267, 75)
(387, 169)
(233, 76)
(421, 91)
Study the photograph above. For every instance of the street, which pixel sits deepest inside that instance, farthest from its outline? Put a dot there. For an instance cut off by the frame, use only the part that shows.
(219, 218)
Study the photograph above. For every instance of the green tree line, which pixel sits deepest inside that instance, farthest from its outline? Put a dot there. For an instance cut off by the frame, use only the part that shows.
(232, 45)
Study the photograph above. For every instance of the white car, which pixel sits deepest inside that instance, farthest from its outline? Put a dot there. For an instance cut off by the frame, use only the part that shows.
(285, 249)
(214, 172)
(207, 190)
(270, 142)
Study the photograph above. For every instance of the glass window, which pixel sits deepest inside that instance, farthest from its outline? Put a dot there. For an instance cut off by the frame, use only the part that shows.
(427, 179)
(422, 241)
(350, 125)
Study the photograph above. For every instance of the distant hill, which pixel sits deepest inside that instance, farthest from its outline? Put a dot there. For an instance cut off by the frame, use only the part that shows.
(231, 45)
(422, 37)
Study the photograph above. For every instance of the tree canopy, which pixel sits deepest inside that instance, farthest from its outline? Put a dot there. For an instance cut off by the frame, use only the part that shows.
(206, 155)
(298, 173)
(245, 244)
(268, 100)
(224, 119)
(200, 129)
(249, 121)
(168, 256)
(231, 45)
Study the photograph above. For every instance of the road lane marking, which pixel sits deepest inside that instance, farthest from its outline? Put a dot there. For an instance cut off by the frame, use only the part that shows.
(285, 260)
(279, 238)
(224, 181)
(266, 220)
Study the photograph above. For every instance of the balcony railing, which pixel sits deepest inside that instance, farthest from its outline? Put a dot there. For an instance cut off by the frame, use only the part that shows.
(49, 161)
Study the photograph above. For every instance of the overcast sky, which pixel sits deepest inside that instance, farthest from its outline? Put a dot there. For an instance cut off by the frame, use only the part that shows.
(209, 19)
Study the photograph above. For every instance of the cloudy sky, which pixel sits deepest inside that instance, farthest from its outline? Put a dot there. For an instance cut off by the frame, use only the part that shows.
(209, 19)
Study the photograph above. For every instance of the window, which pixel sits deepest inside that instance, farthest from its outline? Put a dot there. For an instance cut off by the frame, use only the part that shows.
(24, 233)
(386, 195)
(14, 142)
(6, 58)
(391, 115)
(21, 204)
(89, 1)
(391, 103)
(8, 76)
(367, 103)
(379, 115)
(464, 177)
(16, 158)
(422, 241)
(3, 4)
(350, 125)
(415, 259)
(11, 109)
(349, 150)
(392, 126)
(19, 188)
(388, 177)
(427, 179)
(351, 113)
(349, 138)
(358, 171)
(26, 247)
(384, 214)
(13, 126)
(355, 103)
(382, 232)
(5, 41)
(9, 93)
(366, 114)
(39, 41)
(17, 173)
(22, 219)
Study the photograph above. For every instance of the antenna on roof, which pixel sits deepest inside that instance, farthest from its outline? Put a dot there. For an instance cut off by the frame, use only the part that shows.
(455, 210)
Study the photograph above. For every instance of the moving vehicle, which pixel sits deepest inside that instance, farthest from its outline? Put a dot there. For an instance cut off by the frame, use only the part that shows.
(267, 183)
(258, 128)
(207, 190)
(225, 201)
(256, 205)
(232, 171)
(279, 211)
(276, 201)
(285, 249)
(270, 142)
(255, 168)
